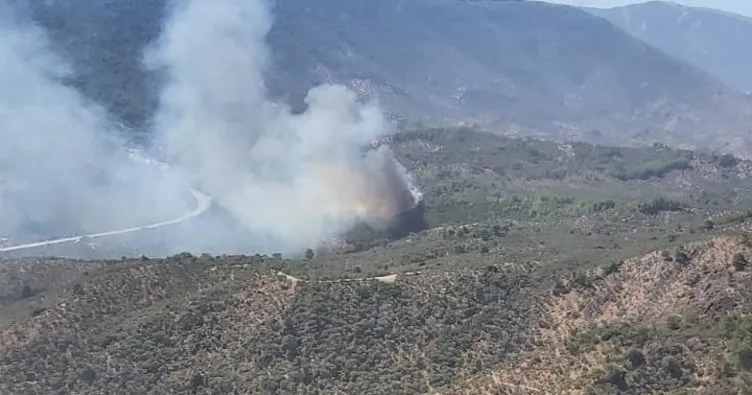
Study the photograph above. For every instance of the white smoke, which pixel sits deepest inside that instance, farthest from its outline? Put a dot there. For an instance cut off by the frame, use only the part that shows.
(290, 181)
(295, 179)
(63, 170)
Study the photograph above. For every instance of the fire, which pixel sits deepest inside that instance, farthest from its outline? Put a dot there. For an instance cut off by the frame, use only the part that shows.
(358, 191)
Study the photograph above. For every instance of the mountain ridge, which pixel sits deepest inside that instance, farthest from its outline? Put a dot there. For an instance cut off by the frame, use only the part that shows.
(570, 76)
(710, 39)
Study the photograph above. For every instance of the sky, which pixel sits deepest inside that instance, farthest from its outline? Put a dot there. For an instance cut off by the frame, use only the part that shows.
(743, 7)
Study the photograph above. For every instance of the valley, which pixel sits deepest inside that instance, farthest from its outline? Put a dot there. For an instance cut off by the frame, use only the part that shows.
(559, 255)
(556, 200)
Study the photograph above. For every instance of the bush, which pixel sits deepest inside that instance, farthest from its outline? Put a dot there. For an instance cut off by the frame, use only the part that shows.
(673, 323)
(743, 355)
(746, 239)
(658, 205)
(612, 268)
(672, 366)
(650, 170)
(681, 257)
(603, 205)
(739, 262)
(727, 160)
(636, 358)
(739, 333)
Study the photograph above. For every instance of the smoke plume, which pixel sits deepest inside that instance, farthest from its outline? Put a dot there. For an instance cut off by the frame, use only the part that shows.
(296, 179)
(63, 168)
(280, 181)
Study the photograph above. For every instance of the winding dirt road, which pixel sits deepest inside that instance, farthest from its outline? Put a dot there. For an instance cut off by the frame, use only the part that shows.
(203, 202)
(389, 278)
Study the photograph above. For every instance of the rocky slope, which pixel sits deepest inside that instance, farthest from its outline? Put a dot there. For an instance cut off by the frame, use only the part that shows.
(663, 322)
(521, 66)
(657, 322)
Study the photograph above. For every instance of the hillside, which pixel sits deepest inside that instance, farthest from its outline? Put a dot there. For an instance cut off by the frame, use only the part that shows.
(658, 323)
(519, 67)
(548, 268)
(712, 40)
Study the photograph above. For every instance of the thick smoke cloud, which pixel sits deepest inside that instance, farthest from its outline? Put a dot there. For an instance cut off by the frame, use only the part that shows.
(282, 182)
(63, 170)
(296, 179)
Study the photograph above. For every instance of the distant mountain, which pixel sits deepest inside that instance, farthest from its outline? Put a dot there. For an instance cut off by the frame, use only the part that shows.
(715, 41)
(519, 67)
(104, 39)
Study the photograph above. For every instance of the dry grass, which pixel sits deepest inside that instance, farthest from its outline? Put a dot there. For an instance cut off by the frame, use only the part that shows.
(645, 291)
(180, 317)
(137, 305)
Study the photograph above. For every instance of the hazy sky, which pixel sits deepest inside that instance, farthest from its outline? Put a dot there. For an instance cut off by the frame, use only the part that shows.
(743, 7)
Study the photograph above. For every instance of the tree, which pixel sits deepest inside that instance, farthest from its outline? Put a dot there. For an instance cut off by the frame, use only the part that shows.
(309, 254)
(727, 160)
(681, 257)
(739, 262)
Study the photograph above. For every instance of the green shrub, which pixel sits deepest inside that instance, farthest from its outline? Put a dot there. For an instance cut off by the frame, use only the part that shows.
(659, 205)
(739, 262)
